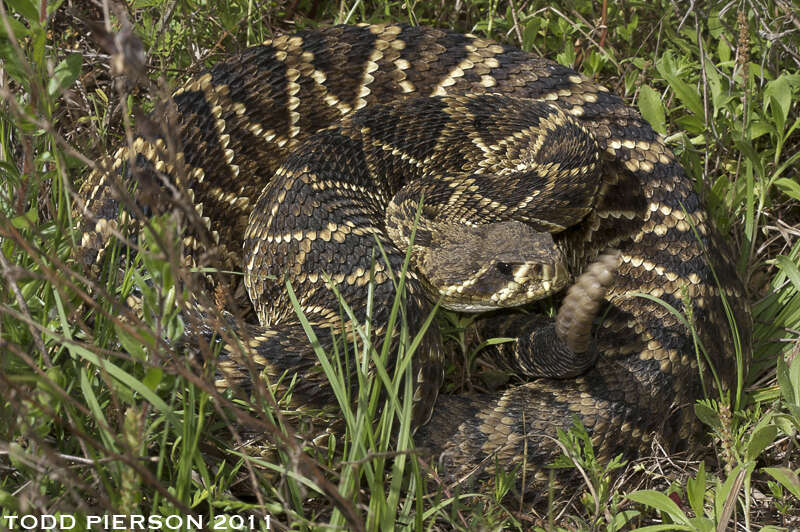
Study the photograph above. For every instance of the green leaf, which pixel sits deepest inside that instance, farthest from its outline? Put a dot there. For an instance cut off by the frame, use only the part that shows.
(707, 415)
(19, 30)
(715, 86)
(789, 268)
(696, 490)
(122, 376)
(53, 5)
(153, 377)
(694, 125)
(795, 411)
(670, 527)
(759, 128)
(530, 33)
(687, 94)
(725, 491)
(8, 501)
(702, 524)
(785, 382)
(778, 96)
(660, 502)
(65, 74)
(794, 377)
(652, 109)
(723, 50)
(787, 478)
(97, 411)
(789, 187)
(760, 440)
(11, 60)
(133, 345)
(39, 44)
(752, 155)
(27, 220)
(567, 56)
(26, 8)
(622, 518)
(788, 424)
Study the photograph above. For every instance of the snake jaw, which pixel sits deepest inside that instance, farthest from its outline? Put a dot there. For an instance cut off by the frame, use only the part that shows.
(533, 281)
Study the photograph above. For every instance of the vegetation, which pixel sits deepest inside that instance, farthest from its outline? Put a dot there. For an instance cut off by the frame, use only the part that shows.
(99, 415)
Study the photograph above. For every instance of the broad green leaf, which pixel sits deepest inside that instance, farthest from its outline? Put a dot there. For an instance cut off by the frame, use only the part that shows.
(38, 44)
(153, 377)
(794, 375)
(789, 268)
(27, 220)
(789, 424)
(133, 345)
(65, 74)
(723, 50)
(707, 415)
(26, 8)
(658, 528)
(652, 109)
(715, 27)
(10, 59)
(694, 125)
(660, 502)
(787, 478)
(701, 524)
(622, 518)
(724, 491)
(567, 56)
(19, 30)
(53, 5)
(760, 440)
(715, 86)
(784, 382)
(759, 128)
(530, 33)
(789, 187)
(752, 155)
(696, 490)
(687, 94)
(778, 96)
(8, 501)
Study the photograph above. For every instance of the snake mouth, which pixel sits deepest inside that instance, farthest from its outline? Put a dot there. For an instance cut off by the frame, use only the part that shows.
(523, 284)
(530, 283)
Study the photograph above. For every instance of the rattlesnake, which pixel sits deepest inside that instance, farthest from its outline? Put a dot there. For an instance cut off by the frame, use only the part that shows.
(333, 123)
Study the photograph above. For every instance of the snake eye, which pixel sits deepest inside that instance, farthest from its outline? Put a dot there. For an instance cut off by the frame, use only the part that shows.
(504, 268)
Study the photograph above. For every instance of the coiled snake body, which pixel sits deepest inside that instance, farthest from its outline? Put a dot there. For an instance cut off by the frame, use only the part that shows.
(507, 150)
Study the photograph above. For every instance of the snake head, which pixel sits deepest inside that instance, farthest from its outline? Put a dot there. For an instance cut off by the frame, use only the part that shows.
(496, 265)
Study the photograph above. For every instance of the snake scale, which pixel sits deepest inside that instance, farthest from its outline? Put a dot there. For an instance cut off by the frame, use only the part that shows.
(306, 151)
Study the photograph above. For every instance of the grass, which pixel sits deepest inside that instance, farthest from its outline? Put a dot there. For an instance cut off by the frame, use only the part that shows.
(98, 415)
